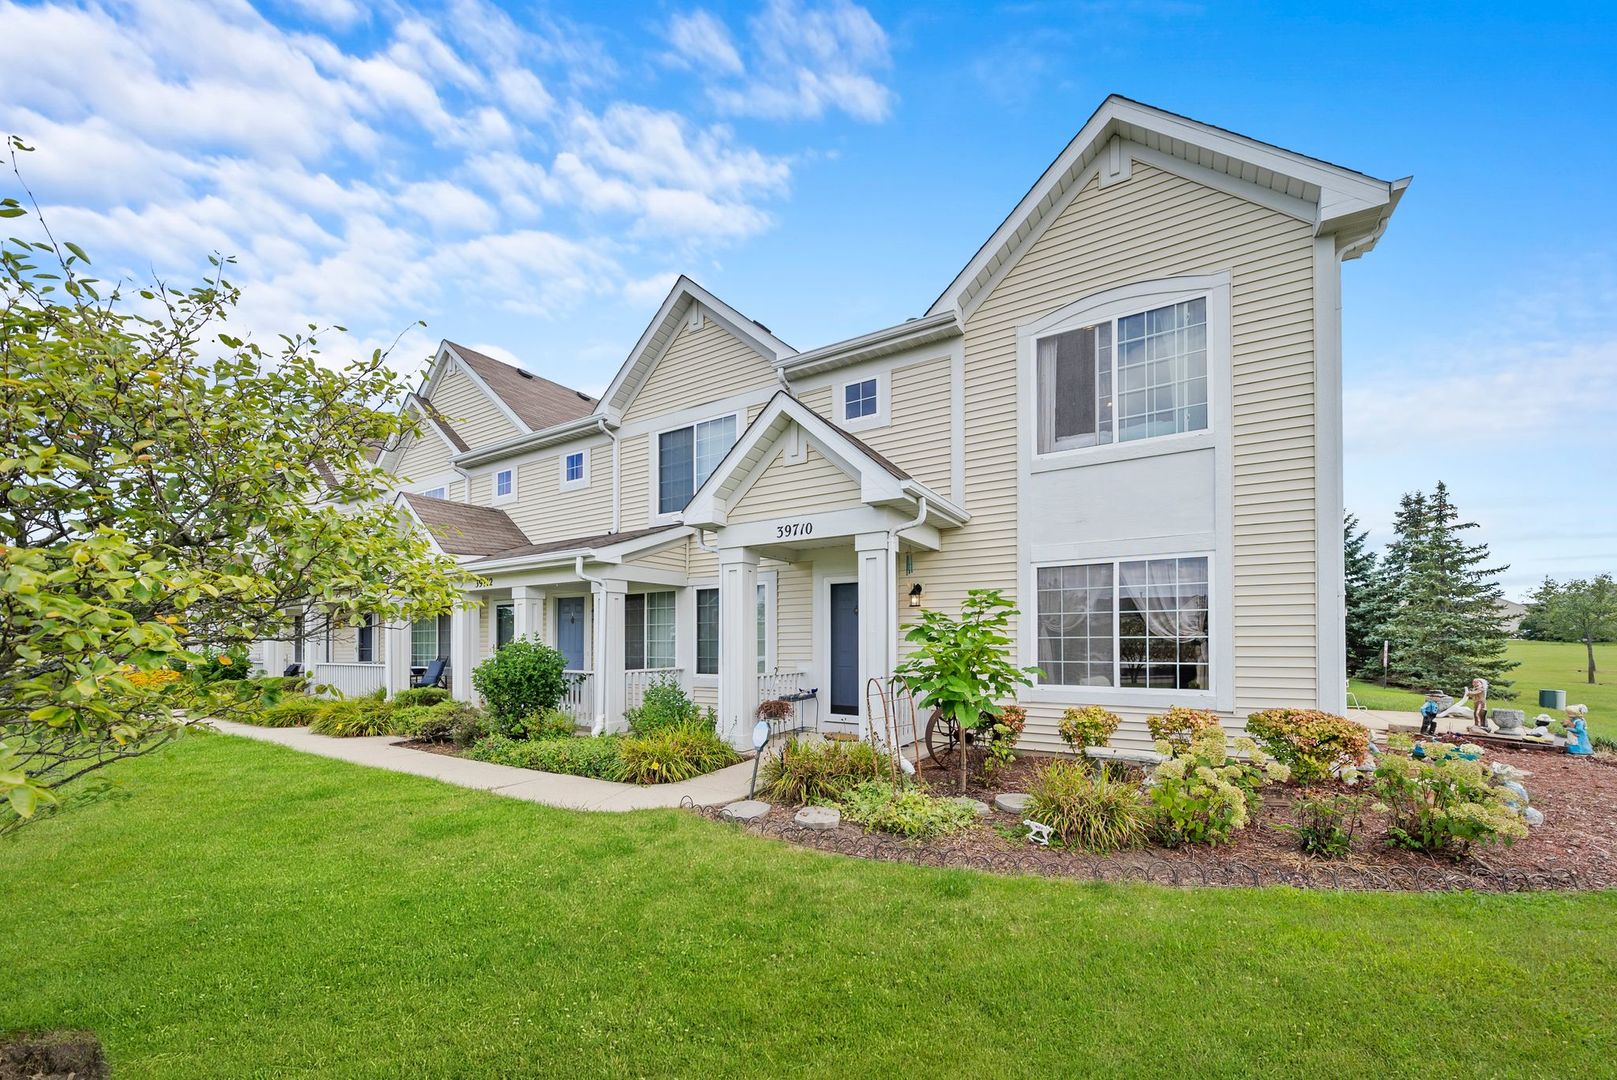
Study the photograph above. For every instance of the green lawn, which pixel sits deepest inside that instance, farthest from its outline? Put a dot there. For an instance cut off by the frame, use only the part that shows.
(242, 910)
(1545, 665)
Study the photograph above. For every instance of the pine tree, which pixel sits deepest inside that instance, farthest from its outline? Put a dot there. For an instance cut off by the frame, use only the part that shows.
(1445, 627)
(1368, 602)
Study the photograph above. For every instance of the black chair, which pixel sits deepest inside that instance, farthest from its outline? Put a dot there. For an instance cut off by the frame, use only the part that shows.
(292, 671)
(433, 675)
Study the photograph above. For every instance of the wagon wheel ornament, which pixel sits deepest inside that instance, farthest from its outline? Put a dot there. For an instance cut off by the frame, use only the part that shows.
(943, 740)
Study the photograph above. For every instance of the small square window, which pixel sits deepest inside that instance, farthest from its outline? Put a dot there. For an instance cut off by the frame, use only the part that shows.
(859, 399)
(504, 483)
(573, 471)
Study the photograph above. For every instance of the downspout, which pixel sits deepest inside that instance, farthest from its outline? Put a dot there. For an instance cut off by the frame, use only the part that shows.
(597, 587)
(617, 487)
(904, 763)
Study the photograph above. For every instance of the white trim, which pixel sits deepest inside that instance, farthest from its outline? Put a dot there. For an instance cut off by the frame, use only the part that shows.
(1330, 638)
(1116, 303)
(654, 453)
(835, 573)
(766, 582)
(477, 380)
(878, 419)
(1217, 619)
(494, 485)
(564, 484)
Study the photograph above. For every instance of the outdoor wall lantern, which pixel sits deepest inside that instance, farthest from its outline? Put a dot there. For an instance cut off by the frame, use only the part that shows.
(915, 595)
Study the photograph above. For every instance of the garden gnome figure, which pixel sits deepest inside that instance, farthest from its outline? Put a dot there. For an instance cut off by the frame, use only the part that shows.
(1577, 731)
(1429, 711)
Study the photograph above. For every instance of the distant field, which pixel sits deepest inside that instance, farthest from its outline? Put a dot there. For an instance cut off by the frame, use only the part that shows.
(1545, 665)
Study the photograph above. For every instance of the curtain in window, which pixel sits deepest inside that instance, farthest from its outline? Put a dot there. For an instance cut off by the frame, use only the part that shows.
(1162, 624)
(648, 631)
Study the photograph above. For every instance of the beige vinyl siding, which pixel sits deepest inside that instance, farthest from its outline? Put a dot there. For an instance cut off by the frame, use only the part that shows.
(920, 434)
(476, 419)
(635, 480)
(426, 456)
(671, 558)
(699, 365)
(1156, 225)
(818, 399)
(813, 485)
(794, 616)
(703, 565)
(545, 512)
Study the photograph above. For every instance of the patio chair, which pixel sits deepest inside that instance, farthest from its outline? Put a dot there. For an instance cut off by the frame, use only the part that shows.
(292, 671)
(1353, 699)
(433, 675)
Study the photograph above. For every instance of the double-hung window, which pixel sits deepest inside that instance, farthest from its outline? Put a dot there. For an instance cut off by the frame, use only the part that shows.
(429, 639)
(687, 456)
(707, 630)
(1136, 624)
(648, 631)
(1137, 376)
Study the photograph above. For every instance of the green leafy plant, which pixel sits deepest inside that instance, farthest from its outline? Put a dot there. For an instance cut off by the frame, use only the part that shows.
(665, 705)
(170, 493)
(292, 710)
(348, 718)
(1089, 809)
(1311, 742)
(593, 756)
(960, 667)
(1202, 795)
(421, 695)
(1443, 803)
(806, 772)
(666, 755)
(998, 740)
(1325, 826)
(907, 811)
(465, 721)
(1087, 725)
(1180, 724)
(522, 679)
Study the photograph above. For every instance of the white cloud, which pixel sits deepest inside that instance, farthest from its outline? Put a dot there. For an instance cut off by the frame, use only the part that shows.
(803, 61)
(703, 43)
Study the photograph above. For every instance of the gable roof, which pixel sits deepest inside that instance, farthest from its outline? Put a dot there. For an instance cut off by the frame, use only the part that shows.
(1350, 204)
(464, 529)
(583, 545)
(880, 480)
(437, 420)
(537, 402)
(665, 325)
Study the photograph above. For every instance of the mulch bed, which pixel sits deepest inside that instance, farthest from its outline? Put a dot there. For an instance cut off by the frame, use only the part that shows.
(55, 1055)
(1575, 848)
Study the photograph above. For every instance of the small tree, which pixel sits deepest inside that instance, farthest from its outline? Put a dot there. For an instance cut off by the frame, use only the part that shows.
(1367, 603)
(170, 494)
(521, 680)
(961, 667)
(1580, 610)
(1445, 628)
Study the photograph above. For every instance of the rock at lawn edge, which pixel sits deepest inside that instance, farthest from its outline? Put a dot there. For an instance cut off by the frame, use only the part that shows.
(817, 817)
(1012, 802)
(746, 810)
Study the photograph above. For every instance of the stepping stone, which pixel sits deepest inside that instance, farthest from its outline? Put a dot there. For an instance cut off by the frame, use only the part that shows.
(746, 810)
(982, 808)
(818, 817)
(1012, 802)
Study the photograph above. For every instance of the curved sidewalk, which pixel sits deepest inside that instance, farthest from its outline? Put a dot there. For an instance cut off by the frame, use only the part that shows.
(552, 789)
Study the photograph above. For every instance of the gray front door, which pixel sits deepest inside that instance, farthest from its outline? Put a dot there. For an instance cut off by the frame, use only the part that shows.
(570, 630)
(845, 649)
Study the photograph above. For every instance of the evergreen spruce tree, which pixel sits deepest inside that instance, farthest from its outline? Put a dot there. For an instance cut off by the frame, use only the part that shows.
(1368, 601)
(1445, 628)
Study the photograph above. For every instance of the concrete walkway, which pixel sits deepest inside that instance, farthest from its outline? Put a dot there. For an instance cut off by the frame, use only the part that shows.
(552, 789)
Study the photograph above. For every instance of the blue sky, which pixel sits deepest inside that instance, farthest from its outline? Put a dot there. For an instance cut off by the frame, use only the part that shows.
(529, 180)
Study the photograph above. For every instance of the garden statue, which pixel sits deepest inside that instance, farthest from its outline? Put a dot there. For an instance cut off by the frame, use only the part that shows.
(1577, 731)
(1474, 701)
(1540, 728)
(1509, 721)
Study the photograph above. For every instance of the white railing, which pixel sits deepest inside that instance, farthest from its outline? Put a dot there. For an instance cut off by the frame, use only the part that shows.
(349, 680)
(780, 683)
(635, 683)
(579, 697)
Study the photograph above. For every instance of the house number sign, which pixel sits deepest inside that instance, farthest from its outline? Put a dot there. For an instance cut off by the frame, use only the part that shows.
(794, 528)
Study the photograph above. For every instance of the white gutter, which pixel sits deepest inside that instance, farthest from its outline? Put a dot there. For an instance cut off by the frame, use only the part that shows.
(595, 583)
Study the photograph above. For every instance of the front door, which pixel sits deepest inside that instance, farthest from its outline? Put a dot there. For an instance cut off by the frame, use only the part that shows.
(845, 649)
(570, 630)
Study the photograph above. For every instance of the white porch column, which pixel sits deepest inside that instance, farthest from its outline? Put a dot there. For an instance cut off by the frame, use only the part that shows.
(528, 612)
(738, 644)
(607, 633)
(395, 646)
(878, 620)
(463, 627)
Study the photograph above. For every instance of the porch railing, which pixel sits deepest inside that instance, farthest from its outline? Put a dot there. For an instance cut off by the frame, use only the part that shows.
(635, 683)
(350, 680)
(579, 697)
(777, 684)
